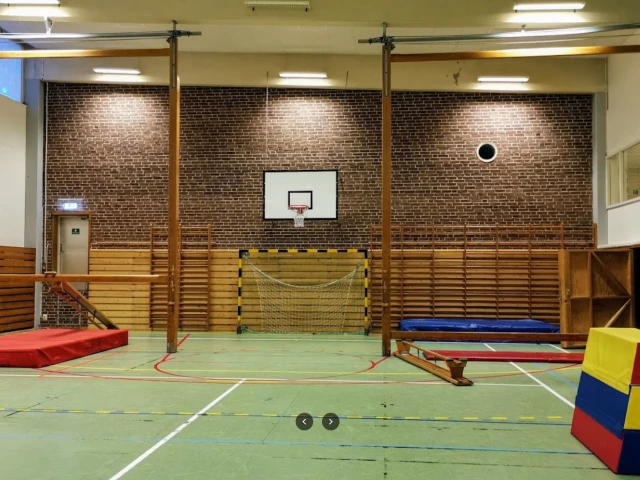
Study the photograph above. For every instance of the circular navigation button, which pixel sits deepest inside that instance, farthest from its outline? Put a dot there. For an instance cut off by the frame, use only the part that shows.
(304, 421)
(330, 421)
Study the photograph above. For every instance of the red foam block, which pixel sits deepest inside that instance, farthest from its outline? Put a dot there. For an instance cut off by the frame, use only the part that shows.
(542, 357)
(635, 375)
(41, 348)
(604, 444)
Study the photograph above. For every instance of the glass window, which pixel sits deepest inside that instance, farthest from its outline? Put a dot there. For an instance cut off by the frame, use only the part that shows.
(613, 170)
(623, 175)
(11, 73)
(632, 172)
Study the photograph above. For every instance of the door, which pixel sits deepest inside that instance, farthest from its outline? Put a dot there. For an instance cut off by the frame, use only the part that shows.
(73, 247)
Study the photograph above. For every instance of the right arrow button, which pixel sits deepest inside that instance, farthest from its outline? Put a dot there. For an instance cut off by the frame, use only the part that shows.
(330, 421)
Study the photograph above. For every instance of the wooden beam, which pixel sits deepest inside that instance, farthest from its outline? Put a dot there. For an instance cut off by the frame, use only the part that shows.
(146, 52)
(173, 270)
(386, 200)
(9, 279)
(454, 373)
(488, 337)
(615, 318)
(608, 274)
(515, 53)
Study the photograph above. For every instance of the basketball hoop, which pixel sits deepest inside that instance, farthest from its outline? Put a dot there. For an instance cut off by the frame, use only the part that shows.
(298, 218)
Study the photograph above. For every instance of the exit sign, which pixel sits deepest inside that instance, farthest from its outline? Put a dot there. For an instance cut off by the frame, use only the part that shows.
(75, 231)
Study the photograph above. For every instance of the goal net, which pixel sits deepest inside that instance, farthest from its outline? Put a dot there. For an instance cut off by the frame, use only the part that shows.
(302, 308)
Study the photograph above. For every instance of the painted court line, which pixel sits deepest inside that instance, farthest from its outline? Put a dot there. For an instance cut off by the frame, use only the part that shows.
(244, 339)
(543, 385)
(129, 467)
(319, 381)
(558, 348)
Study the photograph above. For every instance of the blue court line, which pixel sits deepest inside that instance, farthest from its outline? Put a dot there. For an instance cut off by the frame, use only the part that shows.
(308, 444)
(367, 445)
(559, 377)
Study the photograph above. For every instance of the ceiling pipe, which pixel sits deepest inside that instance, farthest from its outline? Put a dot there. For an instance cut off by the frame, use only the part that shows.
(26, 37)
(504, 35)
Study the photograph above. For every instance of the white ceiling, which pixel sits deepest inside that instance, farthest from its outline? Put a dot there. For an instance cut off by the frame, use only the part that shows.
(331, 27)
(297, 39)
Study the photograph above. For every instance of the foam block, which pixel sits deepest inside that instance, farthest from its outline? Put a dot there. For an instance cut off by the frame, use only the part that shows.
(604, 444)
(602, 403)
(613, 357)
(630, 456)
(41, 348)
(632, 421)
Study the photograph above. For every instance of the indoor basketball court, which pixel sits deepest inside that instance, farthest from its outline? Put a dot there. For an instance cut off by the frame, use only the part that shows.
(309, 239)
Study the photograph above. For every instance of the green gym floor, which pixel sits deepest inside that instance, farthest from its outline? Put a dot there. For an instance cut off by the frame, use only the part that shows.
(224, 407)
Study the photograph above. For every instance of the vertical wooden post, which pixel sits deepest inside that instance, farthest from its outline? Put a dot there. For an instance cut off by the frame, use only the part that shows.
(386, 199)
(173, 264)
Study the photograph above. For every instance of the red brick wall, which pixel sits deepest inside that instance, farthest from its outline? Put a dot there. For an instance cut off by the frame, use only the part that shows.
(108, 145)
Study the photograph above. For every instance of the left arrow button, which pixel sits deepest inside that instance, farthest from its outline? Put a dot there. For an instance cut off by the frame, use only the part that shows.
(304, 421)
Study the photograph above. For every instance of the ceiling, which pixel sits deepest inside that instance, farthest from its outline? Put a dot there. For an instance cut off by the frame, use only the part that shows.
(330, 27)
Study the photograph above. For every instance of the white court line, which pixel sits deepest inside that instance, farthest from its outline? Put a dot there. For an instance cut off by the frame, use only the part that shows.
(129, 467)
(544, 385)
(256, 379)
(280, 339)
(558, 348)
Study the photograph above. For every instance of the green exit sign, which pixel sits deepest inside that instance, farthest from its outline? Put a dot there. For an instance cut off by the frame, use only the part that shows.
(75, 231)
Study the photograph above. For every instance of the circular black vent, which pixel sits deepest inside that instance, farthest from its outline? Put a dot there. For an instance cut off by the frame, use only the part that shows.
(487, 152)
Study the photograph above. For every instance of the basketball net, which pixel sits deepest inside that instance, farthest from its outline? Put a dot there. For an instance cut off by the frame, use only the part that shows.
(299, 211)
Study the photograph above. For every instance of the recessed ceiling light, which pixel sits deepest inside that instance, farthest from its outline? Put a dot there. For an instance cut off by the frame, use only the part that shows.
(549, 7)
(302, 75)
(503, 79)
(31, 2)
(117, 71)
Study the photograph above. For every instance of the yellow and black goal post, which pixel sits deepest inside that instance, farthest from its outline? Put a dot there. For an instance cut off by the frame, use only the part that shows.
(306, 291)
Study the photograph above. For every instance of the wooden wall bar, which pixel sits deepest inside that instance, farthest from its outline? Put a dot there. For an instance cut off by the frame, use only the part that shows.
(128, 305)
(467, 271)
(17, 302)
(505, 284)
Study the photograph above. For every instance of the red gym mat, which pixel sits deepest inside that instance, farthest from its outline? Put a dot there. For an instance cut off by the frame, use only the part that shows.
(542, 357)
(41, 348)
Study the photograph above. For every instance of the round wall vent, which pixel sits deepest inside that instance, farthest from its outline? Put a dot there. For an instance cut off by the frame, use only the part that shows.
(487, 152)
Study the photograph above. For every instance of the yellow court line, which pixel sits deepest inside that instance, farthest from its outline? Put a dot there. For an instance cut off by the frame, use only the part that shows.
(196, 370)
(245, 414)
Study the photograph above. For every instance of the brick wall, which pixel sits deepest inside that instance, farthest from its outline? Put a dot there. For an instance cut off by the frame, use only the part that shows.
(108, 145)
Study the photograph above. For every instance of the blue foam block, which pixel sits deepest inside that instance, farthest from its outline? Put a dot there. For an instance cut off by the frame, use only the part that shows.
(527, 325)
(630, 456)
(604, 404)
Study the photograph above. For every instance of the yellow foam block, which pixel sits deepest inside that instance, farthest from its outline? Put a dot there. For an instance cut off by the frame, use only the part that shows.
(613, 356)
(632, 422)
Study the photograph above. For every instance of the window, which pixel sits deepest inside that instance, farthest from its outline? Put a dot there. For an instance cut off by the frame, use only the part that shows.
(11, 73)
(631, 179)
(623, 172)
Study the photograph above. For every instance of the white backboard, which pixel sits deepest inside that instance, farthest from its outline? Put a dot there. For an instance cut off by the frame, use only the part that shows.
(318, 189)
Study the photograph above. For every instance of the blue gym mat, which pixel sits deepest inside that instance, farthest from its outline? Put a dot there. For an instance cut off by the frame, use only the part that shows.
(526, 325)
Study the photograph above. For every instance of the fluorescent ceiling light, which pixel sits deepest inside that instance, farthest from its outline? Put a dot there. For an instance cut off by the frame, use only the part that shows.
(294, 4)
(117, 71)
(302, 75)
(503, 79)
(549, 7)
(30, 2)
